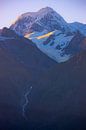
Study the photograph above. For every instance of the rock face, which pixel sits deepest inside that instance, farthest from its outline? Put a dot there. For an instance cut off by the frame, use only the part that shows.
(58, 45)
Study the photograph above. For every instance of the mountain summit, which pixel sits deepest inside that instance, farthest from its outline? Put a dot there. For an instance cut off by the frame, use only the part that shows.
(44, 19)
(46, 9)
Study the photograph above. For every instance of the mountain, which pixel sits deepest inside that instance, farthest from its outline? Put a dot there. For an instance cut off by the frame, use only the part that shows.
(44, 19)
(35, 91)
(51, 33)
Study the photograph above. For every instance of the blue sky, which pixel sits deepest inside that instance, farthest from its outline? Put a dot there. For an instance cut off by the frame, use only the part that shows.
(71, 10)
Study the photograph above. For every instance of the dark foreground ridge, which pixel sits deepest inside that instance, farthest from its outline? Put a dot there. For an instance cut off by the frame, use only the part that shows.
(57, 100)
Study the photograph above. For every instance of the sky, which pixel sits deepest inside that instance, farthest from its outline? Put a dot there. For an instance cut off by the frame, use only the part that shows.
(70, 10)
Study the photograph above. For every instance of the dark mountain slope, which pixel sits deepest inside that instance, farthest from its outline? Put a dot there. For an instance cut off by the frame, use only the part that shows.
(21, 64)
(24, 50)
(76, 45)
(59, 98)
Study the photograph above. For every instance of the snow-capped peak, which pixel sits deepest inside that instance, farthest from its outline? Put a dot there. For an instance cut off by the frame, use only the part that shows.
(50, 32)
(44, 19)
(46, 9)
(39, 12)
